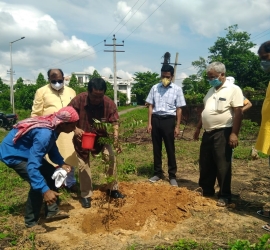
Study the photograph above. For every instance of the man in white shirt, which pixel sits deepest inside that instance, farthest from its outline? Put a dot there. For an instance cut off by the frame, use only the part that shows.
(221, 121)
(165, 100)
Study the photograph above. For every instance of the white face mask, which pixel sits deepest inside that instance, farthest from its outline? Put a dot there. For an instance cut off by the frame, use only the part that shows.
(57, 86)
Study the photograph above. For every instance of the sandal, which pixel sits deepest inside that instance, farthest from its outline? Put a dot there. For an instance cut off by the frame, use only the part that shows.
(266, 227)
(264, 213)
(222, 202)
(58, 216)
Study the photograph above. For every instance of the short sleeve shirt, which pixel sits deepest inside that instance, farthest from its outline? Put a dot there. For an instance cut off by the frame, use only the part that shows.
(219, 104)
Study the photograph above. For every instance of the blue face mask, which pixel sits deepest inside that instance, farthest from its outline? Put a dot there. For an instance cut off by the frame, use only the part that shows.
(265, 66)
(215, 82)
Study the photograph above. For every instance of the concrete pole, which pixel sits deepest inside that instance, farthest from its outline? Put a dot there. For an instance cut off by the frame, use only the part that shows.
(11, 75)
(114, 71)
(175, 66)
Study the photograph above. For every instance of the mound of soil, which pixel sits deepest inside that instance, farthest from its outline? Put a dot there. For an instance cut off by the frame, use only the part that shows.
(146, 206)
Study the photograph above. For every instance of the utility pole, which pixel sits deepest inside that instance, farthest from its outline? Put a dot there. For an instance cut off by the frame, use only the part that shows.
(114, 64)
(167, 57)
(175, 66)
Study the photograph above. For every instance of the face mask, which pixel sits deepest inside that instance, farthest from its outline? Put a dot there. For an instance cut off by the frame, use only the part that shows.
(215, 82)
(165, 82)
(265, 66)
(57, 86)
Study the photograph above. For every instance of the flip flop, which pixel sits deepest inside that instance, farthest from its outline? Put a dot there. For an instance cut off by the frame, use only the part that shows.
(58, 216)
(266, 227)
(263, 213)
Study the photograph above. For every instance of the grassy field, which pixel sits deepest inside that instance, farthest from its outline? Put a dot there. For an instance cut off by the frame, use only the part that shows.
(134, 163)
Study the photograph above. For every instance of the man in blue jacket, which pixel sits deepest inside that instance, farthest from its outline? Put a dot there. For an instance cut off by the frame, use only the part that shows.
(23, 150)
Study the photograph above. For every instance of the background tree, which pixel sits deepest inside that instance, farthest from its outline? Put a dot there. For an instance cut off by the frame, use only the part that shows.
(40, 82)
(24, 94)
(4, 97)
(234, 50)
(74, 84)
(143, 84)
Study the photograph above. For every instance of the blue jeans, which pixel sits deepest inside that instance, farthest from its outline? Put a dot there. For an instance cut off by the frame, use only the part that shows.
(35, 198)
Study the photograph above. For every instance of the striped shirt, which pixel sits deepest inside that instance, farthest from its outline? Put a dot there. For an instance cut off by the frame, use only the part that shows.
(165, 100)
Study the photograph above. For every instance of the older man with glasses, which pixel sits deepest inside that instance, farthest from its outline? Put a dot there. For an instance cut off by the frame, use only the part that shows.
(221, 120)
(49, 99)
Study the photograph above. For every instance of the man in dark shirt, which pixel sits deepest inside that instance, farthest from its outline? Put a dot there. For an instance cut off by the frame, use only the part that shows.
(95, 105)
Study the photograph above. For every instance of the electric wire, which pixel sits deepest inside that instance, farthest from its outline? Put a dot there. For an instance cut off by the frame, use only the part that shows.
(122, 19)
(145, 20)
(131, 16)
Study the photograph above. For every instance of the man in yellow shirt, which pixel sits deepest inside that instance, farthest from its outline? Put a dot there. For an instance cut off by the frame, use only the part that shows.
(49, 99)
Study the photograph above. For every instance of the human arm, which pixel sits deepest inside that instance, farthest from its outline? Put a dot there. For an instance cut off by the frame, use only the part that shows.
(150, 112)
(237, 119)
(116, 143)
(38, 104)
(178, 120)
(198, 130)
(247, 105)
(42, 141)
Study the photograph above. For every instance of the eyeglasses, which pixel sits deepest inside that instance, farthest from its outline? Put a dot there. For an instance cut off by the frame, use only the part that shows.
(213, 78)
(56, 81)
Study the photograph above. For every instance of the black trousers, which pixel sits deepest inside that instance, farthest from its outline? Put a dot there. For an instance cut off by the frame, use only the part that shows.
(163, 128)
(215, 162)
(35, 198)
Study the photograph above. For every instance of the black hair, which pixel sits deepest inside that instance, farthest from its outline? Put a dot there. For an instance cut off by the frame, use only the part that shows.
(264, 47)
(98, 84)
(49, 72)
(167, 68)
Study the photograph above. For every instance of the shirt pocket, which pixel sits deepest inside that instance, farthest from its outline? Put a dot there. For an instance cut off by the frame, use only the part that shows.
(221, 104)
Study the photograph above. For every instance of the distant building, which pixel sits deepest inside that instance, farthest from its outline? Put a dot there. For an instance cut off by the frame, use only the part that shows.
(25, 81)
(82, 77)
(123, 85)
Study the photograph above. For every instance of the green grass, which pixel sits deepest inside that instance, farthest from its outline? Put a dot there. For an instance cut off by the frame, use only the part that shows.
(120, 108)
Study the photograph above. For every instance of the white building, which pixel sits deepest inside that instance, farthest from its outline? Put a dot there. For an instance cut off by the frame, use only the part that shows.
(123, 85)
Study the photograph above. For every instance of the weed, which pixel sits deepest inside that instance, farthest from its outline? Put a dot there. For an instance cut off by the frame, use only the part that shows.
(245, 244)
(249, 130)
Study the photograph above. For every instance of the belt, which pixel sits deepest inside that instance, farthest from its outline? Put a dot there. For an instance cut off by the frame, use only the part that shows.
(216, 130)
(161, 117)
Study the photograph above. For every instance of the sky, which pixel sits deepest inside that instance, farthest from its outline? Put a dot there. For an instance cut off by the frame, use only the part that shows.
(70, 34)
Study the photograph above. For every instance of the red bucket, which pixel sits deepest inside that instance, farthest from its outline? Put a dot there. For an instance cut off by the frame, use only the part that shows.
(88, 140)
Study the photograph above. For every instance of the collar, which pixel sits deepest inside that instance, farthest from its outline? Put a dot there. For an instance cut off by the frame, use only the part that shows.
(161, 85)
(226, 84)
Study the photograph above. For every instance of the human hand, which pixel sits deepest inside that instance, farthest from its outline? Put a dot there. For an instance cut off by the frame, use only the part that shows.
(176, 131)
(50, 197)
(233, 140)
(78, 134)
(149, 128)
(117, 147)
(196, 134)
(66, 167)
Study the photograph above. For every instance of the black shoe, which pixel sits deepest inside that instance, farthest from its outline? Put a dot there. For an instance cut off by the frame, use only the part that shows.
(115, 194)
(86, 203)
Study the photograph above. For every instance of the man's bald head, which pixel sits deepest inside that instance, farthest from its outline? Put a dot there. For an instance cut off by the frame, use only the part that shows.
(52, 72)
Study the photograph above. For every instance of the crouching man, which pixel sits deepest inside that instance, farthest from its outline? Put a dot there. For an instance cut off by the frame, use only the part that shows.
(23, 150)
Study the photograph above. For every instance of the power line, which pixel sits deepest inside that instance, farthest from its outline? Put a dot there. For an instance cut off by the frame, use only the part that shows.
(145, 20)
(65, 59)
(131, 16)
(122, 19)
(259, 34)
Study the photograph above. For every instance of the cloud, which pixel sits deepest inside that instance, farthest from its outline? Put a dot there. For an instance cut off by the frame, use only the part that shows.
(89, 69)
